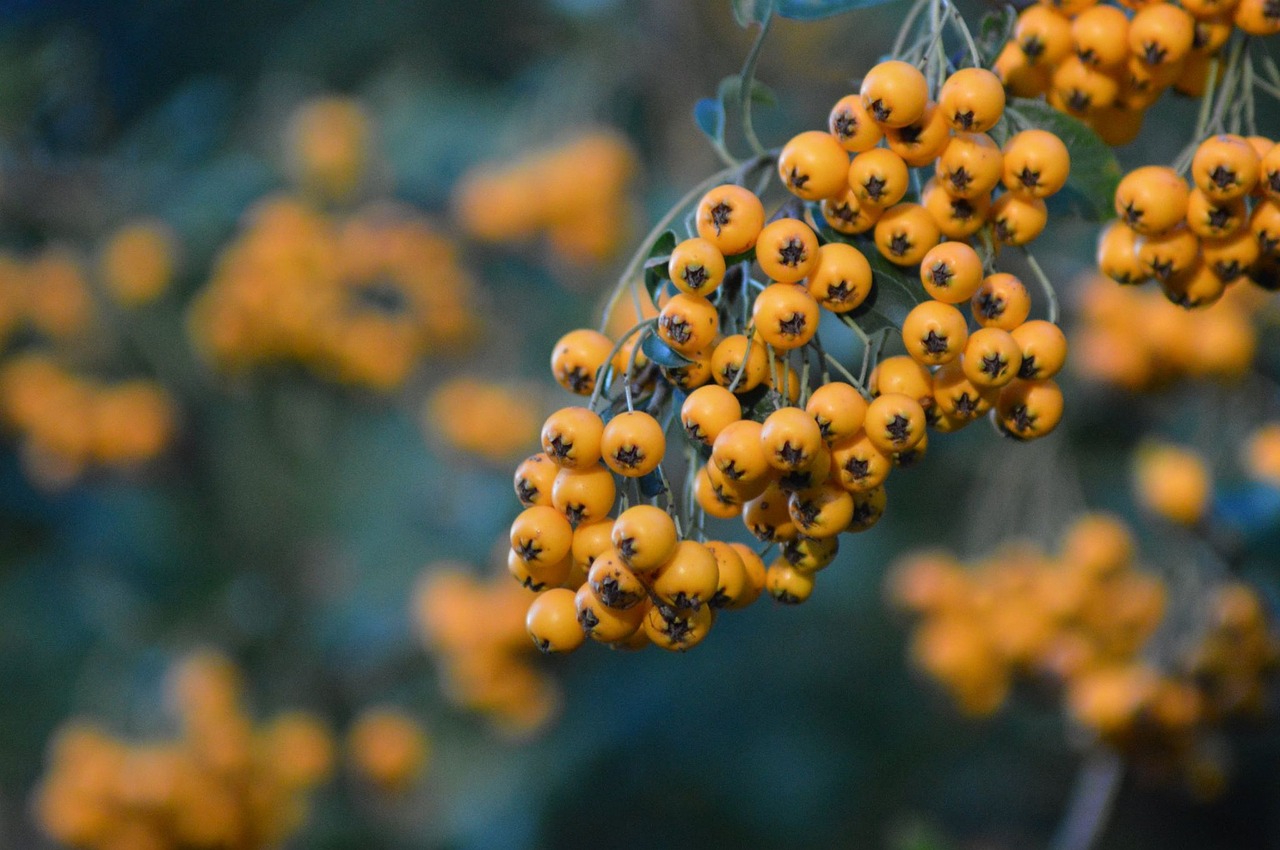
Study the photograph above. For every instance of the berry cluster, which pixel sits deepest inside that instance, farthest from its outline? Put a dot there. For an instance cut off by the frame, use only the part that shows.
(360, 299)
(1083, 621)
(575, 195)
(138, 262)
(1135, 339)
(1260, 456)
(493, 421)
(1107, 65)
(328, 143)
(1196, 240)
(67, 423)
(387, 747)
(1172, 482)
(476, 631)
(47, 296)
(222, 783)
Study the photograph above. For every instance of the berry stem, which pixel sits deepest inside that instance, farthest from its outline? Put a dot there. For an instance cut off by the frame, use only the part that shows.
(737, 379)
(631, 368)
(907, 23)
(848, 376)
(1050, 295)
(603, 372)
(961, 27)
(746, 80)
(1091, 801)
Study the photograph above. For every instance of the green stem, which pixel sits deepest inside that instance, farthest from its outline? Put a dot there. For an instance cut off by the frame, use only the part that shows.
(631, 368)
(745, 81)
(603, 371)
(960, 26)
(905, 30)
(854, 382)
(746, 358)
(1050, 295)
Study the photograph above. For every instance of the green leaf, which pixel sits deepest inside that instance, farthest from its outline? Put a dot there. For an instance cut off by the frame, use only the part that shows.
(994, 32)
(655, 267)
(730, 87)
(895, 292)
(651, 485)
(708, 113)
(748, 12)
(813, 10)
(1095, 171)
(661, 353)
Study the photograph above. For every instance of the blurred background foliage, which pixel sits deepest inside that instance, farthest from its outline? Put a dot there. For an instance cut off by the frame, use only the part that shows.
(289, 519)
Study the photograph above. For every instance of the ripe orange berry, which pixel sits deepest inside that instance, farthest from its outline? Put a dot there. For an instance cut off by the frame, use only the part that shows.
(838, 409)
(1269, 172)
(920, 142)
(707, 411)
(552, 621)
(538, 575)
(571, 437)
(1027, 410)
(590, 541)
(821, 512)
(1232, 256)
(1166, 254)
(992, 358)
(859, 465)
(1198, 286)
(1161, 34)
(1101, 37)
(1152, 199)
(533, 479)
(677, 631)
(810, 554)
(1256, 17)
(852, 127)
(957, 218)
(785, 316)
(1020, 76)
(541, 535)
(738, 453)
(951, 272)
(688, 323)
(633, 444)
(1173, 483)
(791, 439)
(692, 374)
(755, 571)
(696, 266)
(787, 584)
(958, 398)
(1225, 167)
(841, 280)
(577, 357)
(734, 584)
(736, 354)
(972, 100)
(894, 422)
(868, 508)
(878, 178)
(1001, 302)
(1043, 347)
(970, 166)
(905, 233)
(894, 93)
(787, 250)
(603, 623)
(934, 333)
(1016, 220)
(1210, 219)
(901, 374)
(767, 516)
(584, 495)
(813, 165)
(730, 217)
(614, 583)
(688, 579)
(1044, 35)
(718, 497)
(1036, 163)
(644, 537)
(845, 215)
(1118, 254)
(1081, 89)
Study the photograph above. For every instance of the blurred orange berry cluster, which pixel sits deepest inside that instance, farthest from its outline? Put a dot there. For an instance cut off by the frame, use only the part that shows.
(491, 420)
(1137, 340)
(476, 629)
(1083, 621)
(1260, 456)
(573, 194)
(67, 422)
(328, 147)
(388, 748)
(360, 299)
(224, 782)
(47, 296)
(1172, 482)
(138, 261)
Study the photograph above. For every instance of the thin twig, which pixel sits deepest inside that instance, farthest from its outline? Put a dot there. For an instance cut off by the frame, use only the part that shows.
(1050, 295)
(1091, 801)
(745, 80)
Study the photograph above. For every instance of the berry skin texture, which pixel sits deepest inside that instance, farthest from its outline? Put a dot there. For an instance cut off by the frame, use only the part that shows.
(1101, 37)
(1172, 483)
(707, 411)
(1082, 90)
(1118, 254)
(957, 218)
(537, 576)
(809, 554)
(1256, 17)
(736, 354)
(787, 250)
(533, 480)
(767, 516)
(644, 537)
(787, 584)
(813, 166)
(852, 126)
(970, 166)
(571, 437)
(584, 495)
(755, 572)
(1169, 253)
(901, 374)
(992, 358)
(730, 218)
(920, 142)
(1161, 34)
(1152, 199)
(696, 266)
(677, 631)
(633, 444)
(972, 100)
(859, 465)
(1001, 301)
(1210, 219)
(845, 214)
(602, 623)
(1027, 410)
(841, 280)
(785, 316)
(894, 93)
(1043, 347)
(958, 398)
(590, 541)
(541, 535)
(738, 454)
(934, 333)
(894, 423)
(1036, 163)
(1225, 168)
(688, 323)
(734, 583)
(790, 438)
(1044, 35)
(821, 512)
(614, 583)
(951, 272)
(1017, 220)
(905, 233)
(577, 357)
(878, 178)
(688, 579)
(552, 621)
(838, 409)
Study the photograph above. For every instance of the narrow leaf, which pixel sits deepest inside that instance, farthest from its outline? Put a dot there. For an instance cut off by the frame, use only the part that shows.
(661, 353)
(813, 10)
